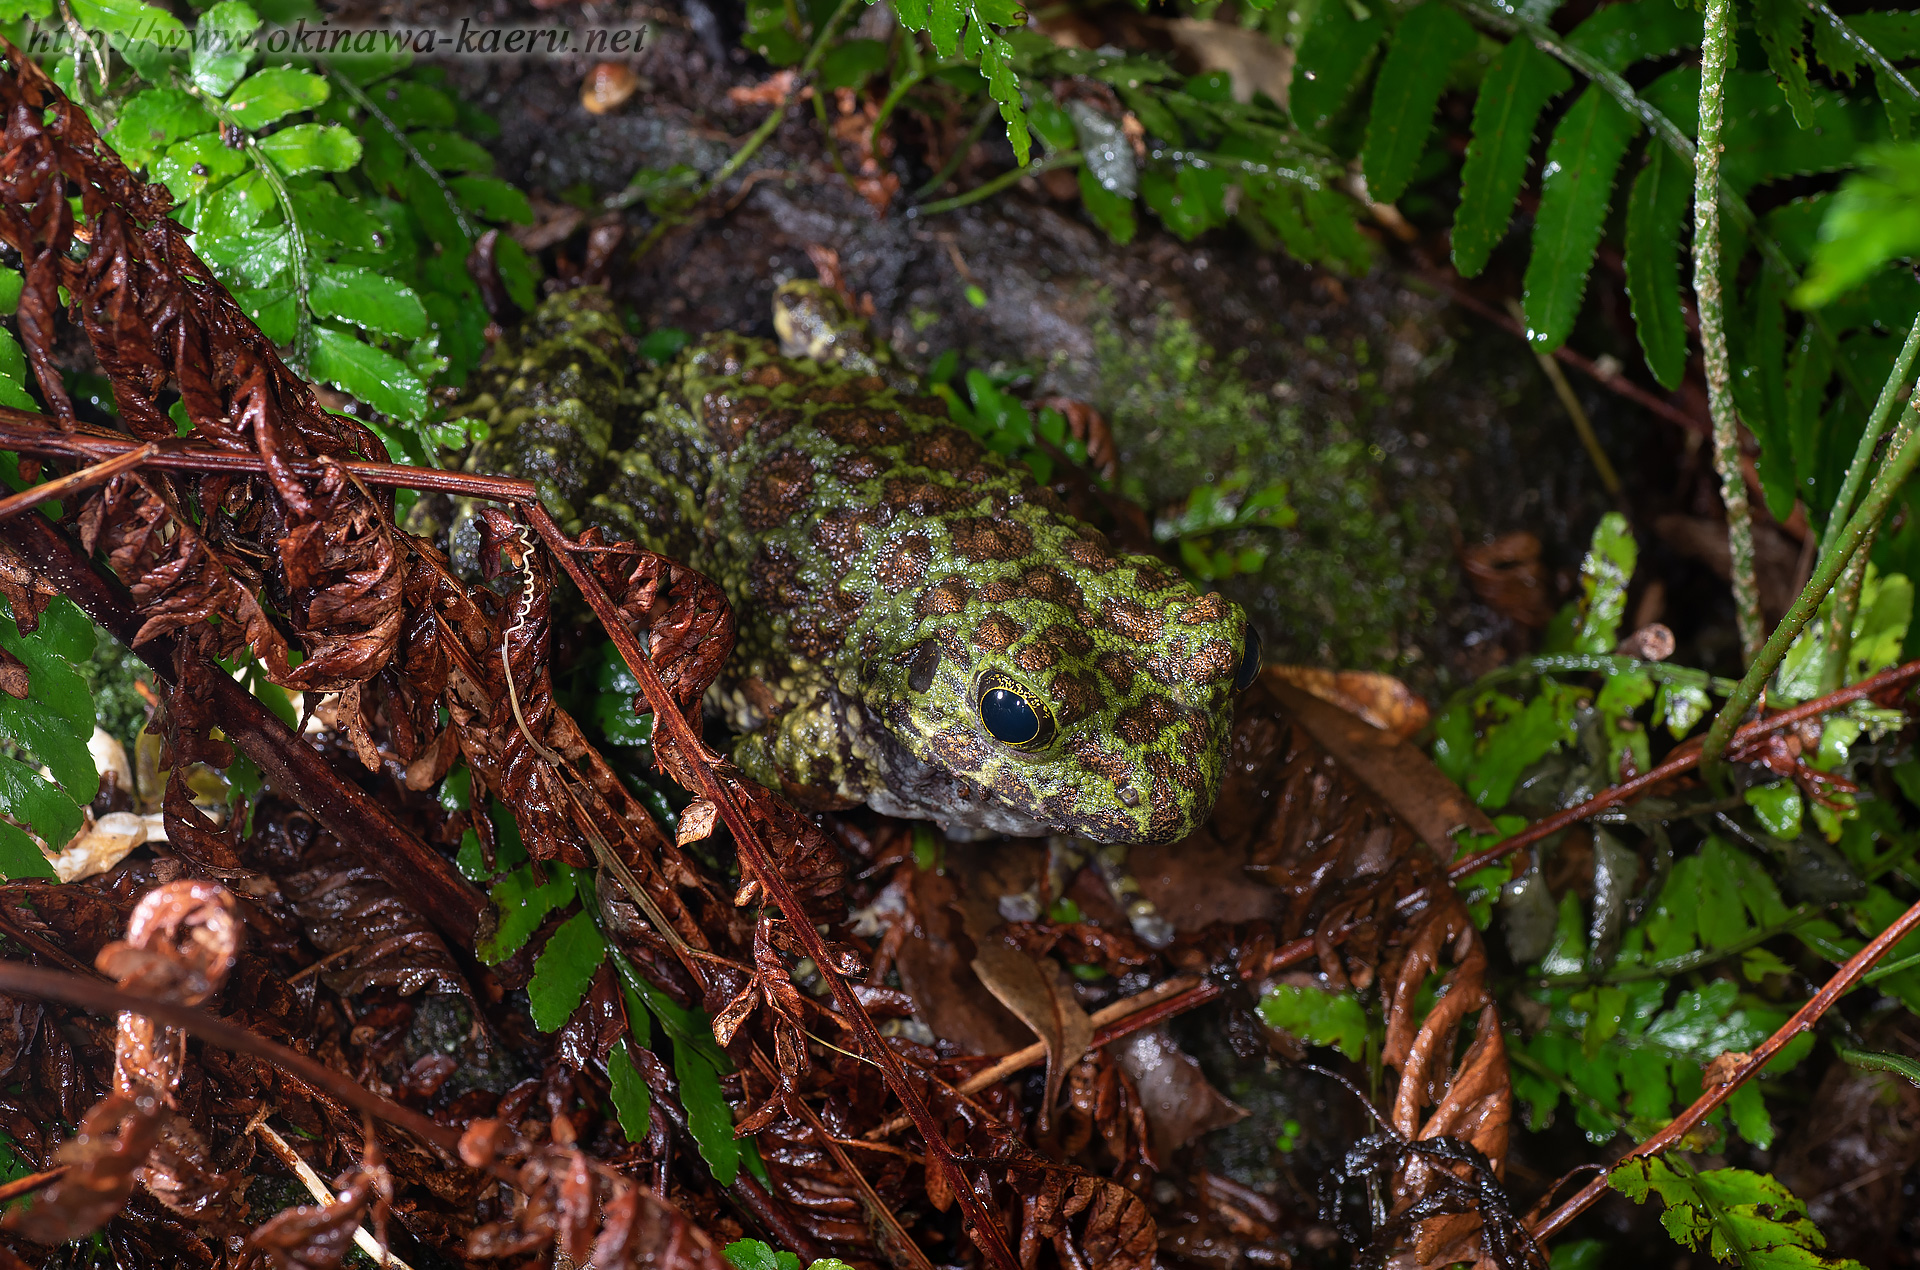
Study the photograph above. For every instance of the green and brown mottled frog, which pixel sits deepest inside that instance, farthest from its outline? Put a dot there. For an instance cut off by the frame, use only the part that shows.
(921, 627)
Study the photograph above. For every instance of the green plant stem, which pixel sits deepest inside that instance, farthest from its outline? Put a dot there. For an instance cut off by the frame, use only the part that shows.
(1870, 439)
(1897, 1064)
(407, 147)
(757, 138)
(1846, 604)
(1716, 58)
(1065, 159)
(297, 243)
(987, 115)
(826, 139)
(1902, 453)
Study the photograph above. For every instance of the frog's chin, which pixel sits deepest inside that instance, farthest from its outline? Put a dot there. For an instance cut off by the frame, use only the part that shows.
(962, 822)
(914, 789)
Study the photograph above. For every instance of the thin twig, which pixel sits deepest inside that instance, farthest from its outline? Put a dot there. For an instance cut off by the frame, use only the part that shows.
(755, 857)
(1577, 412)
(407, 148)
(85, 478)
(1021, 1059)
(362, 1237)
(31, 1182)
(1065, 159)
(1716, 57)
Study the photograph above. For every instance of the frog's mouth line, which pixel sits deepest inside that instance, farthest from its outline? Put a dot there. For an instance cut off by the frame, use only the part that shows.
(914, 789)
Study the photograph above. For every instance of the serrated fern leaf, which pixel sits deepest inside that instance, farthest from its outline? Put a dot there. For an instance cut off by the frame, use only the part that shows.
(1740, 1216)
(1424, 48)
(996, 64)
(1760, 390)
(1762, 147)
(1782, 27)
(1521, 81)
(1622, 34)
(1332, 55)
(1661, 195)
(1575, 189)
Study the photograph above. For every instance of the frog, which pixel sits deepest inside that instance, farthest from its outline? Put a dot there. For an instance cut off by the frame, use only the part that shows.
(922, 627)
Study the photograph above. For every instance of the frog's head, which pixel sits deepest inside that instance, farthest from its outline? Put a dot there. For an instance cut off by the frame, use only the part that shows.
(1069, 691)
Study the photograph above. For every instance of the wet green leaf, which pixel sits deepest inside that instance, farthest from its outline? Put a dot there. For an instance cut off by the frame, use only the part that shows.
(1782, 27)
(1521, 81)
(1875, 218)
(367, 299)
(223, 45)
(752, 1254)
(1777, 806)
(1576, 188)
(631, 1098)
(1737, 1215)
(1333, 52)
(311, 147)
(1420, 56)
(492, 199)
(375, 377)
(451, 152)
(1662, 193)
(521, 904)
(55, 721)
(149, 37)
(154, 119)
(564, 970)
(1605, 574)
(1318, 1017)
(272, 94)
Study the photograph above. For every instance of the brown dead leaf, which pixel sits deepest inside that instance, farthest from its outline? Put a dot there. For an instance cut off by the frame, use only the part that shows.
(1036, 990)
(1381, 700)
(1179, 1103)
(696, 822)
(1404, 778)
(1254, 63)
(607, 85)
(770, 91)
(13, 676)
(1722, 1068)
(1508, 575)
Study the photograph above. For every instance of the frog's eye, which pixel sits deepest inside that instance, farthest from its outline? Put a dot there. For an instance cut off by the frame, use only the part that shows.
(1012, 714)
(1249, 661)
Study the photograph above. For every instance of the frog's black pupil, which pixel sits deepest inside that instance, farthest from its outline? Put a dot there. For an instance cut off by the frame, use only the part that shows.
(1249, 662)
(1008, 717)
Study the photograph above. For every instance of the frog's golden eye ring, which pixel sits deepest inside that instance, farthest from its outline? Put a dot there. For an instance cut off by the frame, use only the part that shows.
(1249, 667)
(1012, 714)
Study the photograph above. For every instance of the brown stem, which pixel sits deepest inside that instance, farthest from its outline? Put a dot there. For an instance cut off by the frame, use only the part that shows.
(85, 478)
(30, 433)
(30, 1183)
(754, 855)
(423, 877)
(98, 998)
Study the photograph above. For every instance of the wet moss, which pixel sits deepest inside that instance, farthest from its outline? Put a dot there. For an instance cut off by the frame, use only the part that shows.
(1352, 577)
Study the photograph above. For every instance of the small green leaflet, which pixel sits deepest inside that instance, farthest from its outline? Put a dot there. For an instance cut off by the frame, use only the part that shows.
(1576, 187)
(451, 152)
(192, 166)
(1662, 193)
(375, 377)
(1621, 34)
(564, 970)
(521, 904)
(367, 299)
(752, 1254)
(697, 1065)
(631, 1098)
(148, 37)
(223, 45)
(274, 93)
(1520, 83)
(1604, 576)
(311, 147)
(52, 724)
(154, 119)
(1332, 54)
(1427, 43)
(1741, 1216)
(1782, 27)
(1317, 1017)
